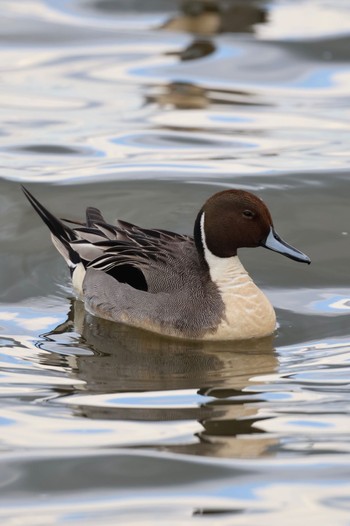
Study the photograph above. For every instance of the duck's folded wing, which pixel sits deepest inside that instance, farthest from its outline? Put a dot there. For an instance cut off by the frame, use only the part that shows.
(153, 263)
(153, 260)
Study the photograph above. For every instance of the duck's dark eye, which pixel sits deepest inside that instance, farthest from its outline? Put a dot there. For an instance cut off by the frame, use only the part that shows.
(248, 213)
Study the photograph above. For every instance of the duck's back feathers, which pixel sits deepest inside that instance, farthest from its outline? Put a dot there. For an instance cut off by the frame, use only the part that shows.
(160, 256)
(152, 260)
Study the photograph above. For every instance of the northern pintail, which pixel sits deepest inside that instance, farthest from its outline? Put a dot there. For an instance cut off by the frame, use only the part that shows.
(174, 284)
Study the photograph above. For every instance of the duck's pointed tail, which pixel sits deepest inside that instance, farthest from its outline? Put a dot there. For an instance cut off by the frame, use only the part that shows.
(61, 234)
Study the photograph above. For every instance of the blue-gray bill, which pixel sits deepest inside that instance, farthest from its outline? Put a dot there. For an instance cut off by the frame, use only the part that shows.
(275, 243)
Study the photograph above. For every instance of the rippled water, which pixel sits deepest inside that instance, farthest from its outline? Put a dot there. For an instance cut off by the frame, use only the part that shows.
(145, 109)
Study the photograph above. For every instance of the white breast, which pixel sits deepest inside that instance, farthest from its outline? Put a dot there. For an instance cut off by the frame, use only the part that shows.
(248, 312)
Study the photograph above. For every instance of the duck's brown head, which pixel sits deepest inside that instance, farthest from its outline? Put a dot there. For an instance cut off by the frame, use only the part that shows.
(233, 219)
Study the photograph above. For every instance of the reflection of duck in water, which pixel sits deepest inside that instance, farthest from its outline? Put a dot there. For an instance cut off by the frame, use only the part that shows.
(208, 17)
(188, 96)
(200, 382)
(174, 284)
(181, 95)
(128, 360)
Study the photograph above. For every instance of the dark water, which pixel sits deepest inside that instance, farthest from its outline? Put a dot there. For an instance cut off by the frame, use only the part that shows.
(145, 109)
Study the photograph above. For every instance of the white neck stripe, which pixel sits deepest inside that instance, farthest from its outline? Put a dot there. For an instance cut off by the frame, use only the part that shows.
(220, 269)
(203, 232)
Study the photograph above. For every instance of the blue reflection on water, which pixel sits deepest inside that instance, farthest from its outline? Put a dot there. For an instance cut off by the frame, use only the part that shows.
(6, 421)
(335, 304)
(20, 317)
(245, 491)
(229, 118)
(308, 423)
(320, 78)
(277, 396)
(7, 358)
(166, 400)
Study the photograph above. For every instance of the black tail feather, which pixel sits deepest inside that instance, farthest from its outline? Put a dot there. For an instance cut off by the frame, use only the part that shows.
(59, 230)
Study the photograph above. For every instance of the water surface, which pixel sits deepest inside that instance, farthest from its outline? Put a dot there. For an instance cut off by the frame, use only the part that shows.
(145, 112)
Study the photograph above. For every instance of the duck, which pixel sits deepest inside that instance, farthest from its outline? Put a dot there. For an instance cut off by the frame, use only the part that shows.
(177, 285)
